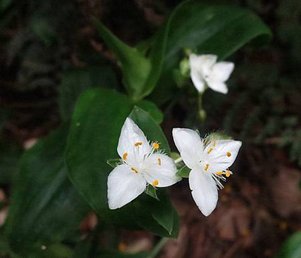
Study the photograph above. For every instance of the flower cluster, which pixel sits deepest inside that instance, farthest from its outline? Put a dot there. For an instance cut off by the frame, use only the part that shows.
(143, 163)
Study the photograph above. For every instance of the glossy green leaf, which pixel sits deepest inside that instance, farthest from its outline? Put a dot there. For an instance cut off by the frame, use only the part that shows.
(291, 247)
(96, 124)
(76, 81)
(135, 66)
(45, 207)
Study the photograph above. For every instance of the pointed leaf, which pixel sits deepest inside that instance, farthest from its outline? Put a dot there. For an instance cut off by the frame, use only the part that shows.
(45, 207)
(135, 66)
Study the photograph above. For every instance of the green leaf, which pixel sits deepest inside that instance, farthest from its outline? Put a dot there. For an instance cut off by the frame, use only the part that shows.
(96, 125)
(50, 251)
(207, 29)
(152, 109)
(76, 81)
(184, 172)
(291, 247)
(9, 157)
(150, 128)
(214, 29)
(45, 207)
(134, 65)
(152, 192)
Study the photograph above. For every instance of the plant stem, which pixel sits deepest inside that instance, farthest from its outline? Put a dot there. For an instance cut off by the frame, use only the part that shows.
(178, 160)
(158, 248)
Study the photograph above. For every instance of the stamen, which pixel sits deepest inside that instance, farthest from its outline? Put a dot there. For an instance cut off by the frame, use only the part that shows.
(155, 182)
(134, 170)
(228, 173)
(219, 173)
(137, 144)
(159, 161)
(206, 167)
(156, 145)
(211, 149)
(124, 156)
(228, 154)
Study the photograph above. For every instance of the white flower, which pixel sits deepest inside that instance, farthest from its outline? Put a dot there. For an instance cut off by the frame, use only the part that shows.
(204, 70)
(142, 164)
(209, 161)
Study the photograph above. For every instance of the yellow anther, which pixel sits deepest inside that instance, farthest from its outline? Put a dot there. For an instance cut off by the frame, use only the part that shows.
(206, 167)
(134, 170)
(124, 156)
(219, 173)
(228, 154)
(159, 161)
(138, 144)
(155, 182)
(211, 149)
(228, 173)
(156, 145)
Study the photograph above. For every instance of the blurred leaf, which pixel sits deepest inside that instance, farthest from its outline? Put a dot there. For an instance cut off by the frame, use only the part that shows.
(9, 158)
(43, 29)
(152, 109)
(96, 125)
(152, 192)
(114, 162)
(115, 254)
(184, 172)
(4, 4)
(291, 247)
(207, 29)
(213, 29)
(45, 207)
(51, 251)
(134, 65)
(75, 81)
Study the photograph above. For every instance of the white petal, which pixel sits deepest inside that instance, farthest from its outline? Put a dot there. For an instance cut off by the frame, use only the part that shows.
(202, 63)
(221, 71)
(197, 80)
(222, 155)
(132, 142)
(189, 145)
(204, 190)
(160, 170)
(200, 69)
(124, 185)
(217, 86)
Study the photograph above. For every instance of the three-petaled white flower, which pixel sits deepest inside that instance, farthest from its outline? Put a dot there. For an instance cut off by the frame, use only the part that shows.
(204, 70)
(142, 164)
(209, 161)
